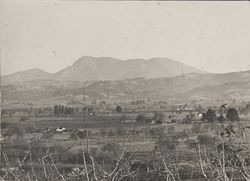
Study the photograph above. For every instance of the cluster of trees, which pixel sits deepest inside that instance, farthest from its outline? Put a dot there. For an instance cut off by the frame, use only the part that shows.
(231, 115)
(118, 131)
(189, 118)
(61, 109)
(80, 134)
(138, 102)
(158, 118)
(209, 116)
(13, 130)
(142, 118)
(23, 118)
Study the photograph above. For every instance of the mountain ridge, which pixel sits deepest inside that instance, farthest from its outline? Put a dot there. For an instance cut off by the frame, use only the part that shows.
(89, 68)
(26, 75)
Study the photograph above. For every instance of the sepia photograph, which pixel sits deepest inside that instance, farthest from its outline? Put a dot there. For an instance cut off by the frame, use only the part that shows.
(124, 90)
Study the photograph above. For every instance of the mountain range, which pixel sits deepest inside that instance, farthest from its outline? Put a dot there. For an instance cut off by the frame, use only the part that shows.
(112, 79)
(89, 68)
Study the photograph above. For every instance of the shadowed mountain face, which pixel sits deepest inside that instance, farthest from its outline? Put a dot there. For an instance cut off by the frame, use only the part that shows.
(191, 86)
(105, 68)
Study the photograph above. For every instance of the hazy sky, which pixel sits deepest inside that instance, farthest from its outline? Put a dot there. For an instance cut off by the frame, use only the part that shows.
(212, 36)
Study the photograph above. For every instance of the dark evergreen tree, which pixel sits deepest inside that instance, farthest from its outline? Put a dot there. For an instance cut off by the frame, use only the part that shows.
(118, 109)
(232, 115)
(56, 109)
(65, 110)
(210, 115)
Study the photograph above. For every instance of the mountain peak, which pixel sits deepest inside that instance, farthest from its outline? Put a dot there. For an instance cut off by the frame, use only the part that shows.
(107, 68)
(93, 60)
(85, 59)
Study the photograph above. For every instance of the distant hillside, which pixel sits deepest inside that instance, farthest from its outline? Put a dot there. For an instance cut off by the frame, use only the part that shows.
(105, 68)
(208, 86)
(28, 75)
(185, 87)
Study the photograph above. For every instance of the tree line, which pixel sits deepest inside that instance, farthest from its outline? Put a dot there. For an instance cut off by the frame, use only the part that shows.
(61, 109)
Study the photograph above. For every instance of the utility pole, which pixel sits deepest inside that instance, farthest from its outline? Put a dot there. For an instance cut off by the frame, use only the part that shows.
(0, 111)
(84, 94)
(85, 112)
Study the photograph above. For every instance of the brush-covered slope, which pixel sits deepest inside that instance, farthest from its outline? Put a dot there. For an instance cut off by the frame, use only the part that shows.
(184, 87)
